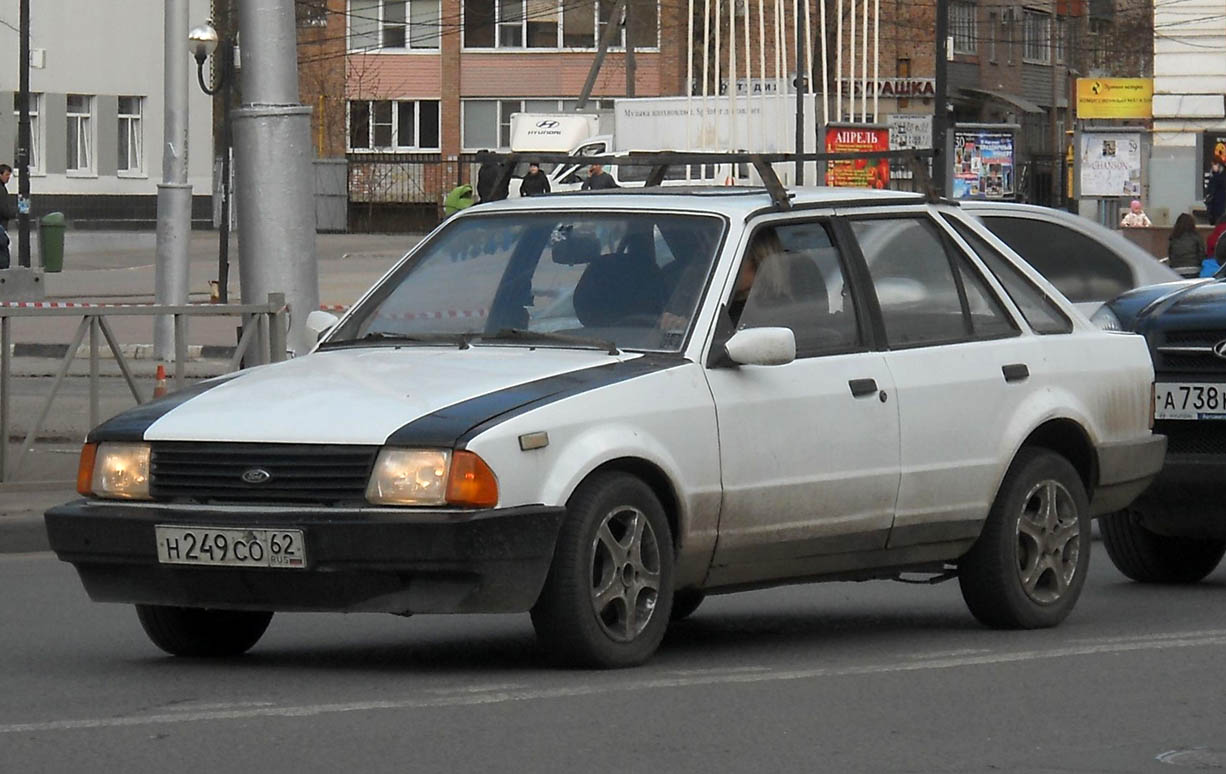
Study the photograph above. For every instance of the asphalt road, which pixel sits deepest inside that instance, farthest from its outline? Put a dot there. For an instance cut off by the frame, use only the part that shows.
(870, 677)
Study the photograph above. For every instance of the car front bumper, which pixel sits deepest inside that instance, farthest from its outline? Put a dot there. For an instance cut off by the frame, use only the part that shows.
(358, 560)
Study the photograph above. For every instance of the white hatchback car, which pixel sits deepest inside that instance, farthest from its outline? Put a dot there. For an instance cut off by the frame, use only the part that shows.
(737, 392)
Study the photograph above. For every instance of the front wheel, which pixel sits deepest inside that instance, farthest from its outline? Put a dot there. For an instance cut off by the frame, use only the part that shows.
(1148, 557)
(607, 598)
(1029, 564)
(193, 631)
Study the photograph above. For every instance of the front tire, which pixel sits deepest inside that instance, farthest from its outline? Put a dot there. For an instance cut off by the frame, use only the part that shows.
(196, 632)
(1147, 557)
(1029, 564)
(609, 592)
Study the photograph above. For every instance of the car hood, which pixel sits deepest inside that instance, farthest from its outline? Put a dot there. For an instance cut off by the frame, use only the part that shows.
(367, 395)
(1186, 305)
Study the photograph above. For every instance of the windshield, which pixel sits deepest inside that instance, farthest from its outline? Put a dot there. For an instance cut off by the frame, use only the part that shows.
(631, 279)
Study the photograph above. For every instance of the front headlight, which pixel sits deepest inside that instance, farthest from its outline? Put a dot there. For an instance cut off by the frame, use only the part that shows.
(120, 470)
(1106, 319)
(431, 477)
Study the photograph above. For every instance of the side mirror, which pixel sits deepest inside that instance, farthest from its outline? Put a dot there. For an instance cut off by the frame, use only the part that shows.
(319, 322)
(762, 346)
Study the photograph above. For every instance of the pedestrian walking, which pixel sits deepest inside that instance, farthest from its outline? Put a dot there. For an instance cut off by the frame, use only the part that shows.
(535, 183)
(492, 183)
(1135, 217)
(1185, 248)
(8, 211)
(1215, 191)
(598, 179)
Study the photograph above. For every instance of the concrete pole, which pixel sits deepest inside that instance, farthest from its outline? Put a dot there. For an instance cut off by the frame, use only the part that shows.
(174, 217)
(272, 144)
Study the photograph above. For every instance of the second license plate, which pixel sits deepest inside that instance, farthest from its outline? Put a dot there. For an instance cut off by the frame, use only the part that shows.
(1182, 400)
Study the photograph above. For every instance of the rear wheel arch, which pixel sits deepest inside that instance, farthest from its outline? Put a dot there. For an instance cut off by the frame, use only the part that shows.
(1070, 440)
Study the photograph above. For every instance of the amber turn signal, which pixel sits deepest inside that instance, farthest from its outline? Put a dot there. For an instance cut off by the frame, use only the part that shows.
(85, 469)
(471, 483)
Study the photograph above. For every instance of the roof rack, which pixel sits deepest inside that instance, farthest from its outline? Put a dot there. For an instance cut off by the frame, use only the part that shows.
(660, 161)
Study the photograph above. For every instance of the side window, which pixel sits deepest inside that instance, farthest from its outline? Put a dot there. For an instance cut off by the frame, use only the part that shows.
(792, 277)
(1040, 312)
(914, 280)
(1080, 267)
(989, 320)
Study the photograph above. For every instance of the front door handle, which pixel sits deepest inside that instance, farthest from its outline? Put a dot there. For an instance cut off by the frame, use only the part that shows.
(1015, 372)
(862, 387)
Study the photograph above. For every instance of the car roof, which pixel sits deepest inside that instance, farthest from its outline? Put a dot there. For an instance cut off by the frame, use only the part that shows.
(726, 200)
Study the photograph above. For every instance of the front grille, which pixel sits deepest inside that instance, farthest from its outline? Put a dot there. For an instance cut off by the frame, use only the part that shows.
(1188, 352)
(1205, 436)
(213, 472)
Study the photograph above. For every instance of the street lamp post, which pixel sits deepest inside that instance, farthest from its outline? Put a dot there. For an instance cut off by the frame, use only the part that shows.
(203, 41)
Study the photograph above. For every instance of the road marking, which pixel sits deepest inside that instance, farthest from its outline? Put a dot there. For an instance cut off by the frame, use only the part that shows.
(497, 695)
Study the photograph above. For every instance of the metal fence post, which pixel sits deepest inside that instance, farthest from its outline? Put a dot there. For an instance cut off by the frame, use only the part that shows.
(276, 327)
(5, 392)
(94, 397)
(180, 351)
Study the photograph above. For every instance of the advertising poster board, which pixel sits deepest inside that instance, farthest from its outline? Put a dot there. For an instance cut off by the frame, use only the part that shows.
(1213, 145)
(909, 131)
(1110, 164)
(983, 165)
(857, 138)
(1115, 97)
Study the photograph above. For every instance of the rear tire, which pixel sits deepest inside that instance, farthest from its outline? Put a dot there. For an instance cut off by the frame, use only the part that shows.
(200, 633)
(1147, 557)
(1029, 564)
(609, 592)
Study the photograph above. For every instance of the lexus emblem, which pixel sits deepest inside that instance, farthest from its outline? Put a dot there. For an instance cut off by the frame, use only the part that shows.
(256, 476)
(1219, 349)
(547, 124)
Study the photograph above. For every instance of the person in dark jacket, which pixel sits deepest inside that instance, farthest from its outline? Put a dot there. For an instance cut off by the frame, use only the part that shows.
(535, 182)
(1185, 249)
(8, 211)
(492, 184)
(1215, 191)
(598, 179)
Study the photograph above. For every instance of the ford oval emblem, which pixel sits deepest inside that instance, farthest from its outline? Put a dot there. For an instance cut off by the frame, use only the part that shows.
(1219, 349)
(256, 476)
(546, 124)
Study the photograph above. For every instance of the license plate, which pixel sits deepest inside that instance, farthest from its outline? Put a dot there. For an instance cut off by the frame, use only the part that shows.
(1189, 401)
(279, 548)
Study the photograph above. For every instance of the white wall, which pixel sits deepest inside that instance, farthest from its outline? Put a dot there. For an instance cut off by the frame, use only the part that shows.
(111, 47)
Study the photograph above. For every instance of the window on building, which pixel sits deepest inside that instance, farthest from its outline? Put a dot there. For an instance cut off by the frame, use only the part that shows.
(311, 13)
(1061, 40)
(993, 33)
(131, 135)
(553, 24)
(1036, 47)
(394, 24)
(80, 133)
(36, 135)
(390, 125)
(962, 26)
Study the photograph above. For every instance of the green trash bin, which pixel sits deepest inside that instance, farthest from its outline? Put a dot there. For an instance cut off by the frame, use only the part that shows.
(51, 241)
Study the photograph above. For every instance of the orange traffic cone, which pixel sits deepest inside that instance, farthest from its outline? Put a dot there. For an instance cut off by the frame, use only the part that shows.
(159, 386)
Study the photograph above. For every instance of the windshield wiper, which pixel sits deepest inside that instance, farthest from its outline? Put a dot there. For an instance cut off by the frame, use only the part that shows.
(380, 337)
(523, 334)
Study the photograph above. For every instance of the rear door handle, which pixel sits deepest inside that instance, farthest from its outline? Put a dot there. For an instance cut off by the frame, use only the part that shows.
(1015, 372)
(862, 387)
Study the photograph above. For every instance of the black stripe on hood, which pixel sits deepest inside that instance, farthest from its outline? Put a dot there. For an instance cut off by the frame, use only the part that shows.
(132, 424)
(455, 425)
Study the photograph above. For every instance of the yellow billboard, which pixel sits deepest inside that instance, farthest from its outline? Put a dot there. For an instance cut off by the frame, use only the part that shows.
(1115, 97)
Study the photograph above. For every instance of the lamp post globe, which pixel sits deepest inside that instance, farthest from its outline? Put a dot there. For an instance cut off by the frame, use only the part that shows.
(202, 41)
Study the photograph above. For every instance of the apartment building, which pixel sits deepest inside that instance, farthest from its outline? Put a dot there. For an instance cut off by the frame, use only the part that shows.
(96, 106)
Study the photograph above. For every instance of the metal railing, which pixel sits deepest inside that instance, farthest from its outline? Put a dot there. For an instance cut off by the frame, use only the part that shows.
(264, 326)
